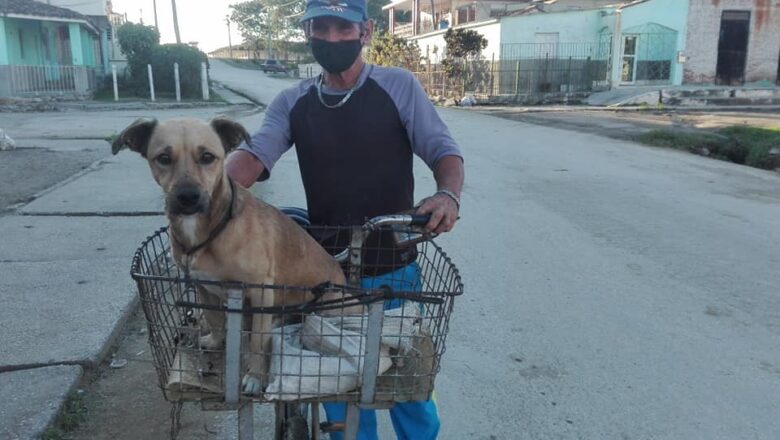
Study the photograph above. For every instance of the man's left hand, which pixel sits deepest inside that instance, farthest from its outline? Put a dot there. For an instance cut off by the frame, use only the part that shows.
(443, 210)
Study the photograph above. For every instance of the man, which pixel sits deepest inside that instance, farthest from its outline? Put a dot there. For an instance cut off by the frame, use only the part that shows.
(355, 129)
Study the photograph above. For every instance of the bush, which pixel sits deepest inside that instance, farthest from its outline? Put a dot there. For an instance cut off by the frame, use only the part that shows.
(388, 50)
(189, 59)
(137, 42)
(739, 144)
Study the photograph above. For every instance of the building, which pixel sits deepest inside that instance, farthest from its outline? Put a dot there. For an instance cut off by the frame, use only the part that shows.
(586, 45)
(46, 49)
(733, 42)
(100, 13)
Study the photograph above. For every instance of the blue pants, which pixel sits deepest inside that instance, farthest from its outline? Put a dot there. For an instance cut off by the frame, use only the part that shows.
(411, 420)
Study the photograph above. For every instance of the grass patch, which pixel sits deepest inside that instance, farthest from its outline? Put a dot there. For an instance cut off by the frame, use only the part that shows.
(71, 416)
(107, 95)
(739, 144)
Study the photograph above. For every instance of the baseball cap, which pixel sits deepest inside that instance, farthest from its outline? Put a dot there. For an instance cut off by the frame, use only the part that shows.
(350, 10)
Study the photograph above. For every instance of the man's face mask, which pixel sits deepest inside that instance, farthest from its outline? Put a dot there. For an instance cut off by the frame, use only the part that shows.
(335, 56)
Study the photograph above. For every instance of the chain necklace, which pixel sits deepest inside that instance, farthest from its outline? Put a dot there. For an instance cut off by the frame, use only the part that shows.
(343, 100)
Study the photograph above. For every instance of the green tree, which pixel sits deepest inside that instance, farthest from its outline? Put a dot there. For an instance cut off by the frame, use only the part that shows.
(137, 41)
(261, 20)
(463, 46)
(375, 12)
(389, 50)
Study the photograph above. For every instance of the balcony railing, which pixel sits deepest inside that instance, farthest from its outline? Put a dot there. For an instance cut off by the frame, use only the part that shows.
(403, 30)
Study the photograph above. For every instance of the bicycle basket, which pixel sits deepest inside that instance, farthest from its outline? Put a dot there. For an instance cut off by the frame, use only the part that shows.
(317, 349)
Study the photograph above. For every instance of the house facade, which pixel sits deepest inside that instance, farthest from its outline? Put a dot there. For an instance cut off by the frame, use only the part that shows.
(733, 42)
(47, 50)
(584, 45)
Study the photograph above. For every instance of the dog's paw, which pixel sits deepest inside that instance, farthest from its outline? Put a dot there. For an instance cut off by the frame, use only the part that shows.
(210, 342)
(251, 385)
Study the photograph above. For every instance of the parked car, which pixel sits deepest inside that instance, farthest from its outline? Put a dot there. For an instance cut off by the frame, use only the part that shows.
(273, 66)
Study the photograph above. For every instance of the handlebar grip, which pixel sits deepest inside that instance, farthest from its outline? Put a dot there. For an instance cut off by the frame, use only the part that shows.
(420, 219)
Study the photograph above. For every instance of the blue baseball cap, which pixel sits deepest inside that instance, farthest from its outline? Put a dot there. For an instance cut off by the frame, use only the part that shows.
(350, 10)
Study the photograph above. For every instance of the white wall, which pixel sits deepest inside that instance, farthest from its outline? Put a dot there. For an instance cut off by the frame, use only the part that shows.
(572, 27)
(490, 29)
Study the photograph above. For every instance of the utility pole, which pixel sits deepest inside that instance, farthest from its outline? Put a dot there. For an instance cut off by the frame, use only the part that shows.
(141, 16)
(154, 5)
(175, 22)
(230, 44)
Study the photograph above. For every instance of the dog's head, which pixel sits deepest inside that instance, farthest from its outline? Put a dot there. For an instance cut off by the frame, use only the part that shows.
(186, 157)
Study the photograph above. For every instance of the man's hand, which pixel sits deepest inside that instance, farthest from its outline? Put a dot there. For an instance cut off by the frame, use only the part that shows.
(443, 210)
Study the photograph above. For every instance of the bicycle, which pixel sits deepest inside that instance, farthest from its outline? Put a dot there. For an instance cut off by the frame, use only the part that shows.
(367, 360)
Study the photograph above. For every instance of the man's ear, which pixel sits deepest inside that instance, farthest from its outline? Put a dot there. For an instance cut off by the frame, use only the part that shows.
(136, 136)
(368, 34)
(230, 132)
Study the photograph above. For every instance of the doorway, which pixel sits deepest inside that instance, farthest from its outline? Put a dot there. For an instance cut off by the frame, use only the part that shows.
(628, 68)
(732, 47)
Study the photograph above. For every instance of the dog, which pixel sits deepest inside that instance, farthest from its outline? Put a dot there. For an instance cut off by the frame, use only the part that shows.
(219, 231)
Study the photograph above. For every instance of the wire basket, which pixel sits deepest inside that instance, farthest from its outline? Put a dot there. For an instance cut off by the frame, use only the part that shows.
(318, 348)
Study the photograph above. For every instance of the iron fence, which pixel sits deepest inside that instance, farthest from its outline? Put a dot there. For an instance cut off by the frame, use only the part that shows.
(522, 70)
(47, 80)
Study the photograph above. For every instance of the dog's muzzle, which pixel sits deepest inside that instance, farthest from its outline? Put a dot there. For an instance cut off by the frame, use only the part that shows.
(187, 200)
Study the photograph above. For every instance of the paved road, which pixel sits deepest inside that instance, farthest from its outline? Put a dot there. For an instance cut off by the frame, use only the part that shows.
(614, 291)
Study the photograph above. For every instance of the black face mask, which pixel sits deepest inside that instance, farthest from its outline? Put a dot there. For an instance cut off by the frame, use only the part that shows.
(335, 56)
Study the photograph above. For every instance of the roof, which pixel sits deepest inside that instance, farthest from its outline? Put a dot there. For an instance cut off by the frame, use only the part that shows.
(31, 8)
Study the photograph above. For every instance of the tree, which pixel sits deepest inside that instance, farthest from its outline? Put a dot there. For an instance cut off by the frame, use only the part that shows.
(137, 42)
(375, 12)
(261, 22)
(462, 46)
(389, 50)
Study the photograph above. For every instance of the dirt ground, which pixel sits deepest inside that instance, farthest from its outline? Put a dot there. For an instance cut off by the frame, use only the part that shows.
(127, 404)
(624, 124)
(26, 171)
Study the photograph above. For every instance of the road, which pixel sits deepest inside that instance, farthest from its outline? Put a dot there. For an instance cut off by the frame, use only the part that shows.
(613, 291)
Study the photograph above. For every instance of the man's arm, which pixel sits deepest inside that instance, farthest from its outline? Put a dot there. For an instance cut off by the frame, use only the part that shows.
(243, 167)
(444, 205)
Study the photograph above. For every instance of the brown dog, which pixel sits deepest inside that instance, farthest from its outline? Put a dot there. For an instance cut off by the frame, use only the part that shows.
(220, 231)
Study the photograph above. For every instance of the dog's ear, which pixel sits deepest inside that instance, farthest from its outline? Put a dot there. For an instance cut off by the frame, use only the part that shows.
(230, 132)
(136, 136)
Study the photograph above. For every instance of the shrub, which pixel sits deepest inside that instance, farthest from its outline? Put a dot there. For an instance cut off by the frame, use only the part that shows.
(189, 59)
(389, 50)
(137, 42)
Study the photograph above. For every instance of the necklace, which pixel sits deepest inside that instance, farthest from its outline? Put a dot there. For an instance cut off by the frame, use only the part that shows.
(343, 100)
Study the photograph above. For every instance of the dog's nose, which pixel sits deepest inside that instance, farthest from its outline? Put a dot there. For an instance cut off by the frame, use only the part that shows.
(188, 196)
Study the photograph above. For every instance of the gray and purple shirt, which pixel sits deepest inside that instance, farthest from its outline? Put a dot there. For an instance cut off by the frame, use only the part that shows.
(355, 160)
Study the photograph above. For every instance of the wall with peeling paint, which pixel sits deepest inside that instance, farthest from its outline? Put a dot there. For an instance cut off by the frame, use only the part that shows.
(763, 53)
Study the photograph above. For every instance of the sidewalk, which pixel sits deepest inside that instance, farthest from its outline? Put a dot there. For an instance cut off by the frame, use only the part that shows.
(64, 273)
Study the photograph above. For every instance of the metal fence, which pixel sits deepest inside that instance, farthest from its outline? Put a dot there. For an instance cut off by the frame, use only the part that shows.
(523, 70)
(47, 80)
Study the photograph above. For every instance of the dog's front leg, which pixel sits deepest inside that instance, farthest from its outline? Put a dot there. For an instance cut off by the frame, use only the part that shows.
(259, 344)
(215, 320)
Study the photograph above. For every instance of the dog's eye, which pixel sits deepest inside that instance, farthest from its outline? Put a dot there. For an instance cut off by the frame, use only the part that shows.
(207, 158)
(163, 159)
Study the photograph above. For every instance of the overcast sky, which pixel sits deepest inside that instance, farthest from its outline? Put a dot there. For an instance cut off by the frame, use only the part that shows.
(199, 20)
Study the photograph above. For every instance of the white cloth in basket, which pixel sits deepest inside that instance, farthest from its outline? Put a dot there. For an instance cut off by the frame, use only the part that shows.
(324, 355)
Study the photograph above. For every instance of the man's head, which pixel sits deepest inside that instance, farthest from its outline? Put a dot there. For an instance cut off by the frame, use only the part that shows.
(337, 31)
(186, 157)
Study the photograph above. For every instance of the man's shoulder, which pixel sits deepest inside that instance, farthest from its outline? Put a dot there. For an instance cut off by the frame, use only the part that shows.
(391, 74)
(292, 94)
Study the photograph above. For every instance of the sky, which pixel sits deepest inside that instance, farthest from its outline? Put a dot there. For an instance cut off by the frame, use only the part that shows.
(199, 20)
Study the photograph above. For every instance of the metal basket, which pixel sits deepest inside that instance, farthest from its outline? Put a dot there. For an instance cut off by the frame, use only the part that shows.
(319, 348)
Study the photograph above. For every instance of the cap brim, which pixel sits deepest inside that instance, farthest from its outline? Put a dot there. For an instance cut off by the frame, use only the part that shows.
(329, 11)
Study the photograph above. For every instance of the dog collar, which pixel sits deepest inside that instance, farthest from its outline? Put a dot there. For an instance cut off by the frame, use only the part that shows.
(220, 227)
